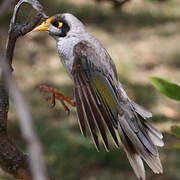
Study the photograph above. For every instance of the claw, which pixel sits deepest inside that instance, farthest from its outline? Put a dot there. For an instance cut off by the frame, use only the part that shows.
(56, 95)
(53, 99)
(49, 98)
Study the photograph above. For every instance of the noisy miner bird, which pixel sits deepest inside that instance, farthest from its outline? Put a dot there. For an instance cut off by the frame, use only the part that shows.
(100, 99)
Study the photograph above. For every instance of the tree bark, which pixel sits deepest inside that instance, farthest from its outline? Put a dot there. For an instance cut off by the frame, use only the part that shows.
(12, 160)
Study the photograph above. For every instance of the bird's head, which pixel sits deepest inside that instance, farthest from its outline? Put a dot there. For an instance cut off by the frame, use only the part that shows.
(61, 25)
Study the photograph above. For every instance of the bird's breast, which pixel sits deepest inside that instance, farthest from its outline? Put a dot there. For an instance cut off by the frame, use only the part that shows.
(65, 51)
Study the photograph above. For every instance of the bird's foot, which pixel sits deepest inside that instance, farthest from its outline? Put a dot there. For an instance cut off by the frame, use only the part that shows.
(56, 95)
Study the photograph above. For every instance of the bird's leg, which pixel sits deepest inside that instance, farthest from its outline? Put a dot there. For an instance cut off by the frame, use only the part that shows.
(56, 95)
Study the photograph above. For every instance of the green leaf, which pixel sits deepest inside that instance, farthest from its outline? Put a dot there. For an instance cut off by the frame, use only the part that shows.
(175, 130)
(167, 88)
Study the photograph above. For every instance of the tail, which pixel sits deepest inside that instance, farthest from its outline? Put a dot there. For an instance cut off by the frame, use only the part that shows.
(139, 139)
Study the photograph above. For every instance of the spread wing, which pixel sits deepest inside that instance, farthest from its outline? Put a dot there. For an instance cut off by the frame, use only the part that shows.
(95, 96)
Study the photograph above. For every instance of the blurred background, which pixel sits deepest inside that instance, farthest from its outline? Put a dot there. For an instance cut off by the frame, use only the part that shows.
(142, 37)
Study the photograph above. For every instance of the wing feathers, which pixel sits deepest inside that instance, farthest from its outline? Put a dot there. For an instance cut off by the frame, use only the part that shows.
(95, 114)
(106, 113)
(80, 111)
(107, 116)
(89, 117)
(88, 108)
(108, 122)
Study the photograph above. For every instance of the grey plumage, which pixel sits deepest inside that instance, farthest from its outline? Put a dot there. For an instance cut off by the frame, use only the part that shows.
(100, 99)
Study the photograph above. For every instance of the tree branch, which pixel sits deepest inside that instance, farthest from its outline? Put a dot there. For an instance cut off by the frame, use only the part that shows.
(13, 160)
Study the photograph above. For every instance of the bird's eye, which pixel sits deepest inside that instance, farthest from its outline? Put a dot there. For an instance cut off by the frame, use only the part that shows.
(57, 24)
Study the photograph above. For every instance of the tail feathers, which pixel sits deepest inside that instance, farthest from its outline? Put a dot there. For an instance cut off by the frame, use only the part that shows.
(154, 134)
(157, 141)
(154, 163)
(133, 157)
(136, 148)
(141, 111)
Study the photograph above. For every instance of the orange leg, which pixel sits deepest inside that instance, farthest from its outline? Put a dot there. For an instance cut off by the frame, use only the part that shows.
(56, 95)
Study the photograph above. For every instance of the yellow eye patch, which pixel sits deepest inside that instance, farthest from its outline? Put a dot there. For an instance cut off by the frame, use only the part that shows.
(57, 24)
(60, 24)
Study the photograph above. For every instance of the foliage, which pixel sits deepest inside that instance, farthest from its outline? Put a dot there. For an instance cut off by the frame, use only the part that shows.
(176, 130)
(172, 91)
(167, 88)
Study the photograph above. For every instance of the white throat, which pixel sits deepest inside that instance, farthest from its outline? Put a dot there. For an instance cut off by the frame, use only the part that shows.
(65, 48)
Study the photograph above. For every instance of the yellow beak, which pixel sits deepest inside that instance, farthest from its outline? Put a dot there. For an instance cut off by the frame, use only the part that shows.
(45, 25)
